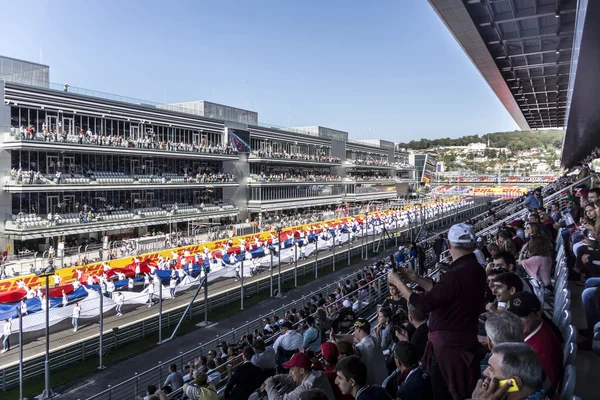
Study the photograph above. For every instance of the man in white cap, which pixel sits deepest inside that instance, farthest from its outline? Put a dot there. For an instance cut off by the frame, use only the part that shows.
(453, 305)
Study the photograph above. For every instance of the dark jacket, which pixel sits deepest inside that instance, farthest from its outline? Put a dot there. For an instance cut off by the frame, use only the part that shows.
(373, 392)
(245, 379)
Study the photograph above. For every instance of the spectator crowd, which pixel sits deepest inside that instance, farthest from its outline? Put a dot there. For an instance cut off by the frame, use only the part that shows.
(475, 329)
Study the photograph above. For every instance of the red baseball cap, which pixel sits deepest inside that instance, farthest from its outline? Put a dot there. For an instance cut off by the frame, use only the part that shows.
(329, 351)
(299, 360)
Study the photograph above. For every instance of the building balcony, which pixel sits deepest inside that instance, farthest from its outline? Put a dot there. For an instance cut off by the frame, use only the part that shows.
(370, 196)
(298, 159)
(373, 179)
(31, 226)
(22, 183)
(292, 203)
(70, 143)
(367, 164)
(278, 180)
(403, 166)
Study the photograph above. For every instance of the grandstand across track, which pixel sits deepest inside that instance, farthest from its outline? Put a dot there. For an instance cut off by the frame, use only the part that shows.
(126, 369)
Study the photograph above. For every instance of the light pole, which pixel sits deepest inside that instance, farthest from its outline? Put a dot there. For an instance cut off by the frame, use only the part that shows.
(396, 230)
(271, 283)
(47, 393)
(101, 329)
(333, 240)
(316, 257)
(171, 228)
(349, 244)
(279, 294)
(242, 286)
(295, 263)
(160, 310)
(20, 352)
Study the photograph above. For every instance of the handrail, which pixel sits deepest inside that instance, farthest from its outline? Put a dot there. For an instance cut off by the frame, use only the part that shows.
(522, 212)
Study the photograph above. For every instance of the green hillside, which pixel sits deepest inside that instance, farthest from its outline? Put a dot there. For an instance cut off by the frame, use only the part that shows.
(516, 140)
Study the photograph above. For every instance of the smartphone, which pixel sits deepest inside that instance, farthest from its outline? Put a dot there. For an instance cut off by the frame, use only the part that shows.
(513, 385)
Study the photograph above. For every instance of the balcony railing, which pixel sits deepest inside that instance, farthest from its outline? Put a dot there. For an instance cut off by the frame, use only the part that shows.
(114, 141)
(294, 157)
(23, 178)
(24, 222)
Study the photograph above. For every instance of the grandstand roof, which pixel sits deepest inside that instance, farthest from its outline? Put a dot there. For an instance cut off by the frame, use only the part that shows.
(522, 48)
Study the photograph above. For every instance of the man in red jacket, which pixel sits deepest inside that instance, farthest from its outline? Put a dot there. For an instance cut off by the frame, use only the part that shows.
(541, 334)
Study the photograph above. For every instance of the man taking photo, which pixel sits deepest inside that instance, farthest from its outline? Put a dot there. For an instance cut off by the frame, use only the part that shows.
(453, 304)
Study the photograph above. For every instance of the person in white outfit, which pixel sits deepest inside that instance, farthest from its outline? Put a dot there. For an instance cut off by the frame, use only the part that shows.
(75, 316)
(172, 286)
(130, 284)
(150, 295)
(119, 300)
(6, 331)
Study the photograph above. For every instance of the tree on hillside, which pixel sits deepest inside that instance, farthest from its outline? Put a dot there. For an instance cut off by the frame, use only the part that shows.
(516, 140)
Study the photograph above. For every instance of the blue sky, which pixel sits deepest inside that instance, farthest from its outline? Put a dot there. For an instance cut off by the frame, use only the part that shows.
(387, 69)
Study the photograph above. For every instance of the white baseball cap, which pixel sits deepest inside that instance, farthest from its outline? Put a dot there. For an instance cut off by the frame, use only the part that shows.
(347, 303)
(461, 233)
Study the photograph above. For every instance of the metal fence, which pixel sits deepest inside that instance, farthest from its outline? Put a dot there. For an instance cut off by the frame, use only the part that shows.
(65, 351)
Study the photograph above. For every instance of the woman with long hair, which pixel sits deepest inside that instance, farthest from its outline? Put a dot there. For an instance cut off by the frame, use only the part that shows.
(536, 259)
(506, 243)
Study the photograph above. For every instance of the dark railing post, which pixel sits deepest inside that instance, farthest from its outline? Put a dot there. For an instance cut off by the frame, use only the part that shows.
(160, 312)
(271, 281)
(242, 283)
(101, 329)
(349, 245)
(333, 240)
(205, 301)
(295, 264)
(20, 353)
(316, 257)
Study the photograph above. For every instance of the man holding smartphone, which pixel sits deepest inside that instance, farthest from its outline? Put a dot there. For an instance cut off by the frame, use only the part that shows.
(514, 372)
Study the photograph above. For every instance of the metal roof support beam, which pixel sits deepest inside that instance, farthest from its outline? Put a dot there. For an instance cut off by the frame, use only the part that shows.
(525, 67)
(532, 53)
(502, 19)
(534, 37)
(537, 77)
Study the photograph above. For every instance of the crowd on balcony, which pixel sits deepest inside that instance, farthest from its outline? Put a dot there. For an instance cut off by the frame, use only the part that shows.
(403, 164)
(76, 213)
(480, 331)
(369, 161)
(296, 177)
(368, 176)
(320, 157)
(143, 141)
(281, 173)
(187, 175)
